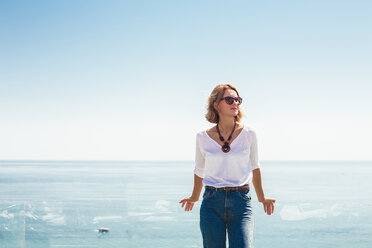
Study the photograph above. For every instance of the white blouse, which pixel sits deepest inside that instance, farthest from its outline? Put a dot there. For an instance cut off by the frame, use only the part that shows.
(233, 168)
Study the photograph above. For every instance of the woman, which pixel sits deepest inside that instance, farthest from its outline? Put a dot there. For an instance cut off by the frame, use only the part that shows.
(226, 161)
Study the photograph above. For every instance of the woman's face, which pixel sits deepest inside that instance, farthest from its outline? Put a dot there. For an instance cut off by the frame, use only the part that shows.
(225, 109)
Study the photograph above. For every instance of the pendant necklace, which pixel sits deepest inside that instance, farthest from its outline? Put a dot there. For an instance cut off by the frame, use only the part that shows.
(226, 147)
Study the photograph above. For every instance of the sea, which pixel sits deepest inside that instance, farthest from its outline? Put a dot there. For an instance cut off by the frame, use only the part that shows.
(319, 204)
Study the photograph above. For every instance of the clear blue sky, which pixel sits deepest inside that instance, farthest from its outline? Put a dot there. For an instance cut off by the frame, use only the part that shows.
(130, 79)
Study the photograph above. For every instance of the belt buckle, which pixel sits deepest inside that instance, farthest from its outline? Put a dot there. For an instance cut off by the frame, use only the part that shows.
(230, 188)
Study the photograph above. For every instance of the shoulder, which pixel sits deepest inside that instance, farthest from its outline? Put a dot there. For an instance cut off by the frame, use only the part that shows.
(250, 128)
(251, 131)
(200, 136)
(208, 131)
(200, 133)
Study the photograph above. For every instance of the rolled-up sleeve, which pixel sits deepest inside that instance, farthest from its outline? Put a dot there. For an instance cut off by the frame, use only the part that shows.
(199, 169)
(254, 151)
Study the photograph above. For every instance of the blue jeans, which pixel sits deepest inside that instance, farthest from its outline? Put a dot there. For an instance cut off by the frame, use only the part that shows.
(225, 209)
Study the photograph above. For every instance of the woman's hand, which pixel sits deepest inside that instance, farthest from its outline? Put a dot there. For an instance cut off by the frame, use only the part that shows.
(189, 201)
(268, 204)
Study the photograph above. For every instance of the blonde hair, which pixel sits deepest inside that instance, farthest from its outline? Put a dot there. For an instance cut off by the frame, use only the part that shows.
(215, 96)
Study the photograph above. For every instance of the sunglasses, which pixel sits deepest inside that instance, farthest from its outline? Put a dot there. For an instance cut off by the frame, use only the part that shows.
(230, 100)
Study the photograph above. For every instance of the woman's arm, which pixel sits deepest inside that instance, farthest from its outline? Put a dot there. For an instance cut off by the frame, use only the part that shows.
(198, 180)
(268, 203)
(198, 186)
(257, 182)
(190, 201)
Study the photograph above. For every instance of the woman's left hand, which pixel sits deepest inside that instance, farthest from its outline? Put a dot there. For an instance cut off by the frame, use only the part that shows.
(268, 205)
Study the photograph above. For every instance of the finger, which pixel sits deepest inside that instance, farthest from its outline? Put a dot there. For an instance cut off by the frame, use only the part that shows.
(188, 206)
(265, 208)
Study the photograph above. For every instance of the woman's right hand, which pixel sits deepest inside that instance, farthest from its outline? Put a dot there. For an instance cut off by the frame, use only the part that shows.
(189, 201)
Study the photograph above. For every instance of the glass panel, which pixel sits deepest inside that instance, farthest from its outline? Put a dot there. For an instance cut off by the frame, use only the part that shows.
(64, 204)
(12, 224)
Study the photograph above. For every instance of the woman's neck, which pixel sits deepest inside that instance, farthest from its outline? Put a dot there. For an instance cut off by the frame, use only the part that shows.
(226, 125)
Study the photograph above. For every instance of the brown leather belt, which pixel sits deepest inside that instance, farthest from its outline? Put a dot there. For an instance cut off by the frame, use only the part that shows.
(238, 188)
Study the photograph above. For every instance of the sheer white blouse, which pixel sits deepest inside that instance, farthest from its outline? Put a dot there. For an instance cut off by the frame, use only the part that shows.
(233, 168)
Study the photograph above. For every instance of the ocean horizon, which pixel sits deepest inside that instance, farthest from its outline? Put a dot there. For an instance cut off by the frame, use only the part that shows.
(63, 203)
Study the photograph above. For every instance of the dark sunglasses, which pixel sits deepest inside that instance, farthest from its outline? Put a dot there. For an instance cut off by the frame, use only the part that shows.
(230, 100)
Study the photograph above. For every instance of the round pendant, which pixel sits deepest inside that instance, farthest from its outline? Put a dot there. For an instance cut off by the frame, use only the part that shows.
(226, 147)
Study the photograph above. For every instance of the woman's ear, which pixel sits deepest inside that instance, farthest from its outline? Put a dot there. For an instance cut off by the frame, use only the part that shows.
(215, 106)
